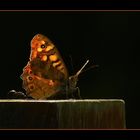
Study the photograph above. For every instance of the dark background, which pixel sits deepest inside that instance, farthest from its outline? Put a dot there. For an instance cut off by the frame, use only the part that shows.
(109, 39)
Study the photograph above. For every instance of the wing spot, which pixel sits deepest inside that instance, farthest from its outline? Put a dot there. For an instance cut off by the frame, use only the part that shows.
(39, 49)
(51, 83)
(29, 78)
(49, 48)
(53, 57)
(44, 58)
(42, 42)
(31, 87)
(60, 67)
(56, 63)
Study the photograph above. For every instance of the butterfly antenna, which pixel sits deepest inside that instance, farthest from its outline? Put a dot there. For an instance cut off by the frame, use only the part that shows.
(74, 78)
(82, 68)
(93, 66)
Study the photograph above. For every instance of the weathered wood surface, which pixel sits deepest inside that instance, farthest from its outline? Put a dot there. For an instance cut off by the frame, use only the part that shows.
(62, 114)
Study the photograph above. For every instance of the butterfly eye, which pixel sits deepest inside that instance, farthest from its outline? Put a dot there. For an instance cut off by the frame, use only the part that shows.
(43, 46)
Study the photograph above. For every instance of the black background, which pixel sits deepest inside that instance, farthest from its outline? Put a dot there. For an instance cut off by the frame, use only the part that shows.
(109, 39)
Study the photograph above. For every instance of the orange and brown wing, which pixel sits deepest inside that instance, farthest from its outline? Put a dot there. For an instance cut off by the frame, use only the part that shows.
(45, 74)
(47, 58)
(37, 87)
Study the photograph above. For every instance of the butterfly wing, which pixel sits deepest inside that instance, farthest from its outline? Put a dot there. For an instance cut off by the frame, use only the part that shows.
(37, 87)
(46, 57)
(45, 74)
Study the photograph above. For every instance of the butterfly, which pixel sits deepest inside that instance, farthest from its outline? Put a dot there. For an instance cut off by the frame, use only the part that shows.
(45, 76)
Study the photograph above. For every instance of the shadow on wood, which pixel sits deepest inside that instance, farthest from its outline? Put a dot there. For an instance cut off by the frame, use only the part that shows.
(62, 114)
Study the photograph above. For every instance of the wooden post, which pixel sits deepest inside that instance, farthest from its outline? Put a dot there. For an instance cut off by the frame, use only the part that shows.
(62, 114)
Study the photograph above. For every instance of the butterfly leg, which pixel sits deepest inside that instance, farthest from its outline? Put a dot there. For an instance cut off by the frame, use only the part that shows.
(67, 92)
(78, 93)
